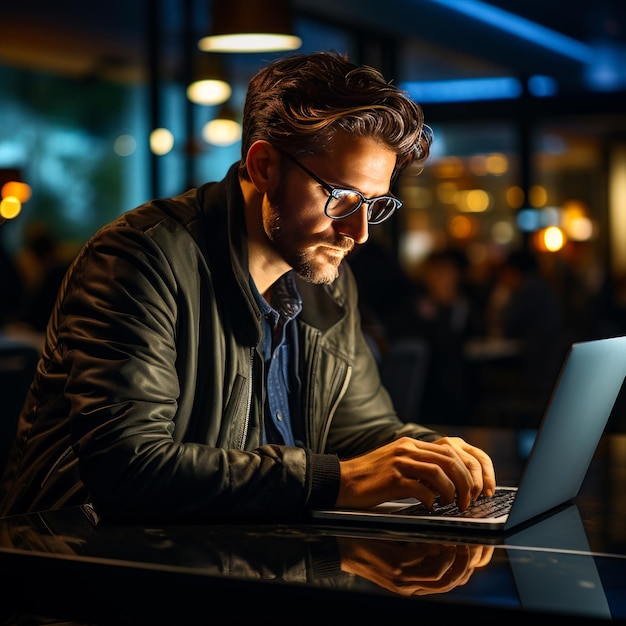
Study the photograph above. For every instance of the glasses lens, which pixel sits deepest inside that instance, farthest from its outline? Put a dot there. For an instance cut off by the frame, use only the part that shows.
(381, 209)
(342, 202)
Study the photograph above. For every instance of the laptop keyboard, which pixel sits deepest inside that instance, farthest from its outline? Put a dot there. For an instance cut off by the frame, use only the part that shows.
(491, 506)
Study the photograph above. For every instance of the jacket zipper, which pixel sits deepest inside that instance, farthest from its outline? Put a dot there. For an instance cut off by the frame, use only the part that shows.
(244, 433)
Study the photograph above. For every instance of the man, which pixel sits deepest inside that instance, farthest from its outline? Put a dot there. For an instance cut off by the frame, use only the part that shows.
(205, 359)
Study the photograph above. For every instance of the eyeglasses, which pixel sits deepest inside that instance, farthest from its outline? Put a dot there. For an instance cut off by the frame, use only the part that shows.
(344, 202)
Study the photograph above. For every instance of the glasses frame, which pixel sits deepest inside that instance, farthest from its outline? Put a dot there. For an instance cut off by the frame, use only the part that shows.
(335, 192)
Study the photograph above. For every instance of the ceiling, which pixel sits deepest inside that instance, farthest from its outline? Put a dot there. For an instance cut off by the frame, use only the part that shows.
(447, 38)
(458, 30)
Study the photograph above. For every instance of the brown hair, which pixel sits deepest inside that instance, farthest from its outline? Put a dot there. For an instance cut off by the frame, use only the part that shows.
(298, 103)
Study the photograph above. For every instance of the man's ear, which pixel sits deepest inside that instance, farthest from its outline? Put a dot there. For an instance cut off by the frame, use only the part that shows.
(263, 164)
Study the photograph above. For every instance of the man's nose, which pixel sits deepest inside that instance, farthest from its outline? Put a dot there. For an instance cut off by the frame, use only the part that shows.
(355, 226)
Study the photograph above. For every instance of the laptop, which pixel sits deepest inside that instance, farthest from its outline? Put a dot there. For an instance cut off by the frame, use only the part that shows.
(579, 407)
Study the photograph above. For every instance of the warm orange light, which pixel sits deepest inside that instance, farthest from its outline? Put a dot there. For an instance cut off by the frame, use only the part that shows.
(551, 239)
(10, 207)
(497, 164)
(462, 227)
(448, 167)
(18, 190)
(575, 221)
(580, 228)
(554, 238)
(515, 197)
(477, 200)
(538, 196)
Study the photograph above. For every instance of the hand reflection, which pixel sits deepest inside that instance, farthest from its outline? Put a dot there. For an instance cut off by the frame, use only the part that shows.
(412, 569)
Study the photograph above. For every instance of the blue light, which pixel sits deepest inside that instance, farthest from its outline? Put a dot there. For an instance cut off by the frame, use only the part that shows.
(608, 71)
(521, 27)
(528, 220)
(463, 90)
(542, 86)
(531, 220)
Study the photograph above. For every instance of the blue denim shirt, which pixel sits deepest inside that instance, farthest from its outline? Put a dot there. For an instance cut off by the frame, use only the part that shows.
(282, 422)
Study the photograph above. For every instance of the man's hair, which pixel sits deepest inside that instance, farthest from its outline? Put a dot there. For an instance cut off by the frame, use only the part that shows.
(300, 102)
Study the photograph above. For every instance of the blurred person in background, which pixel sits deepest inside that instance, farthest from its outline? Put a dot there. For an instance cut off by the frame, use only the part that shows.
(11, 288)
(42, 266)
(525, 307)
(609, 311)
(446, 317)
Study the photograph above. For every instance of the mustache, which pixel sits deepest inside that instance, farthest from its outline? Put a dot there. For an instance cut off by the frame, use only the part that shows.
(343, 243)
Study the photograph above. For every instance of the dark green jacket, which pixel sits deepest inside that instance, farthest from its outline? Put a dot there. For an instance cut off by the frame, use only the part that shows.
(148, 400)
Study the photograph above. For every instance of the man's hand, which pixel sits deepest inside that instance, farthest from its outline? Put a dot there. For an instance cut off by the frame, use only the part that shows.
(448, 468)
(411, 568)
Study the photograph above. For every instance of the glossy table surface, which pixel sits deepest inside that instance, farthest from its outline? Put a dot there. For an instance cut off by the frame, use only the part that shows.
(70, 567)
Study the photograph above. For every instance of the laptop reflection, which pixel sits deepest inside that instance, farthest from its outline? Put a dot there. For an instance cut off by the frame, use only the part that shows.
(553, 568)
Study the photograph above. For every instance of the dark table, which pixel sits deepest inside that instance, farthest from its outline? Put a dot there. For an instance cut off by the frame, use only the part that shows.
(70, 567)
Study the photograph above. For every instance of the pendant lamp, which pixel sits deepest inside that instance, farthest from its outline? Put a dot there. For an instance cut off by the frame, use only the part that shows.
(224, 130)
(209, 85)
(250, 26)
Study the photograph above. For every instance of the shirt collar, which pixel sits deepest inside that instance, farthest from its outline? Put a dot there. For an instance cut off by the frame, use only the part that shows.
(286, 300)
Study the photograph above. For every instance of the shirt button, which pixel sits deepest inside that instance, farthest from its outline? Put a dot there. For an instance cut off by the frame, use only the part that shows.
(279, 416)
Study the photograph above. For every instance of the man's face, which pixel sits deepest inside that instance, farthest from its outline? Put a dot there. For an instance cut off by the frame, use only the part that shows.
(293, 217)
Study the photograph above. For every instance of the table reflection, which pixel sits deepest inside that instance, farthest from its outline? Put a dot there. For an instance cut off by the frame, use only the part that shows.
(73, 560)
(288, 554)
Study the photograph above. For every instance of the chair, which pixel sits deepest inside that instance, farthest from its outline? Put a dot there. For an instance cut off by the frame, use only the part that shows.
(403, 371)
(17, 367)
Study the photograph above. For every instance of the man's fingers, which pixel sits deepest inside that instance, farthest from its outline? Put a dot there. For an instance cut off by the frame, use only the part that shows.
(478, 463)
(443, 470)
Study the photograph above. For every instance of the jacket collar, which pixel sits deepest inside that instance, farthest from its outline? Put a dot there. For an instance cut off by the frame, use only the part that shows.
(222, 207)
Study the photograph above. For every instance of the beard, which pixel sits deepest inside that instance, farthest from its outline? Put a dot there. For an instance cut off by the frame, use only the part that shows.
(316, 261)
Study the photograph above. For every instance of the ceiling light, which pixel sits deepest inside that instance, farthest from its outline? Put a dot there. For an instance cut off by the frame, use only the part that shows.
(208, 91)
(224, 130)
(208, 85)
(161, 141)
(244, 26)
(464, 89)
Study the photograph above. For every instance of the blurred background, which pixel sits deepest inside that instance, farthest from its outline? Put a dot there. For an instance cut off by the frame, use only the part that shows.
(511, 242)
